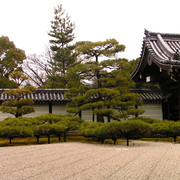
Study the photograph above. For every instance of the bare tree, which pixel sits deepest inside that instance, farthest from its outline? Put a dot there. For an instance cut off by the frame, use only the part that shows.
(36, 67)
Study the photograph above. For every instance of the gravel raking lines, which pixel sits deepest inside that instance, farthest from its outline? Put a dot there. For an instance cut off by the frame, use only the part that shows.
(78, 161)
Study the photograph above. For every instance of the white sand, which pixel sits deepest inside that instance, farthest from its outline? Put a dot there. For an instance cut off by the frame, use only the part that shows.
(77, 161)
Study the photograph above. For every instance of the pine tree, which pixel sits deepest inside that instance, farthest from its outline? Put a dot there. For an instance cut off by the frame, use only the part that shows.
(19, 105)
(62, 51)
(102, 86)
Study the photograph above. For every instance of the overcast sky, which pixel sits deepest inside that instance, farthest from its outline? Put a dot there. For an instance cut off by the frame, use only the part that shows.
(27, 22)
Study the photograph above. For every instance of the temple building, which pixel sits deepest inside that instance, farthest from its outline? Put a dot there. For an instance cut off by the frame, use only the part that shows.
(160, 63)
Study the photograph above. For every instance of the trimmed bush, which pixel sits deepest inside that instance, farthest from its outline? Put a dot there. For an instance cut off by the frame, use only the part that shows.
(134, 129)
(166, 129)
(146, 119)
(128, 129)
(45, 125)
(15, 128)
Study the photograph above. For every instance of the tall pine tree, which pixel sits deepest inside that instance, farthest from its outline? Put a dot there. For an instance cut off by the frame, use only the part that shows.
(62, 51)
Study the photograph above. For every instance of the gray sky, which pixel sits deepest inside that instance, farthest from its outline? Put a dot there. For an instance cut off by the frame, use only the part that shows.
(27, 22)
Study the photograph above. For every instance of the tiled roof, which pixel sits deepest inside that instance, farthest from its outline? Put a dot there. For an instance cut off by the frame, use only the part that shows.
(149, 95)
(42, 96)
(160, 49)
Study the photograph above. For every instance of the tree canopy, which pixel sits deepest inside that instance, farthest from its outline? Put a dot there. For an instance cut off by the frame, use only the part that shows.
(6, 83)
(101, 84)
(10, 57)
(63, 56)
(18, 105)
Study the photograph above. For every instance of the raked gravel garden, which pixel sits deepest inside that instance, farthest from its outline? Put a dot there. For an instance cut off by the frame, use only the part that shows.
(82, 161)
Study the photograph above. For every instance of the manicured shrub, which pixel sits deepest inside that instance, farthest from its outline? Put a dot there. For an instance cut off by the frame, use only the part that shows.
(49, 118)
(44, 125)
(166, 129)
(53, 124)
(15, 129)
(134, 129)
(128, 129)
(114, 130)
(58, 129)
(87, 128)
(146, 119)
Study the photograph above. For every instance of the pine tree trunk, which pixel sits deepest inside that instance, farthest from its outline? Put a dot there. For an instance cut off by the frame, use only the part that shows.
(64, 137)
(48, 139)
(127, 141)
(59, 136)
(114, 140)
(109, 119)
(37, 139)
(136, 115)
(102, 141)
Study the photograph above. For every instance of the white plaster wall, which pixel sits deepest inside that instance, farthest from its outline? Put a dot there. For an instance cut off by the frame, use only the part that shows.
(39, 110)
(4, 115)
(152, 110)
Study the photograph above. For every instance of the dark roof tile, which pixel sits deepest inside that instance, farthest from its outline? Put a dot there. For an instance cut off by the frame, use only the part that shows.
(161, 49)
(58, 96)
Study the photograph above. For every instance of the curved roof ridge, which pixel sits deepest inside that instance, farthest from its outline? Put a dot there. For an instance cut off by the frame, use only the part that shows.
(150, 33)
(167, 50)
(158, 49)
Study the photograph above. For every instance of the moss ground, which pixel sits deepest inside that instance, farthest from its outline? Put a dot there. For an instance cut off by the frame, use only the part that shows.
(43, 140)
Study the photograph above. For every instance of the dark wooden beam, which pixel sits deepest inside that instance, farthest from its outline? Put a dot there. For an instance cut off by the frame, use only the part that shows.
(50, 107)
(80, 114)
(165, 110)
(179, 99)
(93, 116)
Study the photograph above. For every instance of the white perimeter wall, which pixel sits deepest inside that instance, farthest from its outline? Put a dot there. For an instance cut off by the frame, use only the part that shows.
(151, 110)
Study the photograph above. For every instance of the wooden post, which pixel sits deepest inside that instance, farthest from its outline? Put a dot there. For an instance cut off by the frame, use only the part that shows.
(108, 118)
(80, 114)
(50, 107)
(179, 99)
(165, 110)
(93, 116)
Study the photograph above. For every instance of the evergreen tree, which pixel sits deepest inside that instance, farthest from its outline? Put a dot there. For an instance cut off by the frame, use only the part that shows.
(19, 77)
(101, 85)
(6, 83)
(19, 105)
(62, 52)
(10, 57)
